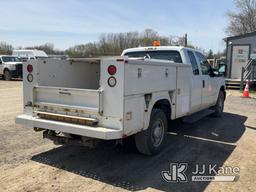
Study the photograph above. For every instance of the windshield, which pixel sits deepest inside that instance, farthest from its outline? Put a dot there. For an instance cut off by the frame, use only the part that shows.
(10, 59)
(163, 55)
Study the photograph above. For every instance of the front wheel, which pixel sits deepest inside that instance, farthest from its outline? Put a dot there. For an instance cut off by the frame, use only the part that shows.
(218, 108)
(7, 75)
(151, 141)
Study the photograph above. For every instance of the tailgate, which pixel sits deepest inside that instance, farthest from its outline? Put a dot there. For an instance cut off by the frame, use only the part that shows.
(78, 101)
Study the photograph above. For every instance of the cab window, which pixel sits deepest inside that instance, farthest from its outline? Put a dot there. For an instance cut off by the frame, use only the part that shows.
(193, 62)
(23, 59)
(173, 56)
(204, 65)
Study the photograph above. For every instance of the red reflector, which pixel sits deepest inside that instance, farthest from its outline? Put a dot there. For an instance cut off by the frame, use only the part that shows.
(112, 70)
(30, 68)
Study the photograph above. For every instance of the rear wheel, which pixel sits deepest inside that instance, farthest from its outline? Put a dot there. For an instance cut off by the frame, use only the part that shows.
(7, 75)
(218, 108)
(151, 141)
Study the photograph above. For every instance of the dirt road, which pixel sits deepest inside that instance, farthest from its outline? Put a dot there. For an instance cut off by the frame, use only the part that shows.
(29, 163)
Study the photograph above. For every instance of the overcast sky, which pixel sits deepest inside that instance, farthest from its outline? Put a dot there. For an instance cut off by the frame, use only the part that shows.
(69, 22)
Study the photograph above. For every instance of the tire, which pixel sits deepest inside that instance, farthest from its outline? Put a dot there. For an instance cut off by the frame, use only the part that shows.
(7, 75)
(151, 141)
(218, 108)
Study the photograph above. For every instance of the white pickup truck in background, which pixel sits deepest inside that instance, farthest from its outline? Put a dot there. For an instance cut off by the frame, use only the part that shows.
(29, 54)
(112, 98)
(10, 67)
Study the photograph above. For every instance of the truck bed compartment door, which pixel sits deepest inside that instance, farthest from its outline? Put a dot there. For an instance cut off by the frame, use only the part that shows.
(68, 99)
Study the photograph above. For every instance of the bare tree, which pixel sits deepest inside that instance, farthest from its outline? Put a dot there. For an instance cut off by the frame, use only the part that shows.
(5, 48)
(210, 54)
(243, 21)
(47, 47)
(148, 36)
(115, 43)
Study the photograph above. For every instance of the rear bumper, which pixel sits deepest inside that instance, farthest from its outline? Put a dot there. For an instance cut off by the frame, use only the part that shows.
(83, 130)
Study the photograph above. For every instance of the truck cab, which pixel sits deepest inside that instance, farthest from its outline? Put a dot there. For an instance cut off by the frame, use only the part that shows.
(205, 81)
(10, 67)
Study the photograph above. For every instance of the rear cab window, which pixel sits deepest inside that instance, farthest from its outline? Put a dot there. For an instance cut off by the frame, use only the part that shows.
(173, 56)
(23, 59)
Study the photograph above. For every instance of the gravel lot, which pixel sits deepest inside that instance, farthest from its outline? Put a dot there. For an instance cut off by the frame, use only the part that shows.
(29, 163)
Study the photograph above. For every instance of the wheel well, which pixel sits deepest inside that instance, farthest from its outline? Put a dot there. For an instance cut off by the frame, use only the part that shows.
(6, 69)
(164, 105)
(224, 91)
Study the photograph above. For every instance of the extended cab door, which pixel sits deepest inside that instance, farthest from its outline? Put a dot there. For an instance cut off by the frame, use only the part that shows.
(196, 84)
(209, 85)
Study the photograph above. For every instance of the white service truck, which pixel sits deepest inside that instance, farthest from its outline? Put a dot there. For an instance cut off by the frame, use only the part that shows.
(29, 54)
(10, 67)
(112, 98)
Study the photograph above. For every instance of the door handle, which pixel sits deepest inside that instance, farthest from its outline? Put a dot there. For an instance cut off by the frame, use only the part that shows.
(64, 93)
(203, 84)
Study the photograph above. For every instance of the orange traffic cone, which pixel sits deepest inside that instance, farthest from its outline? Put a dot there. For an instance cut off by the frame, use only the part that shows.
(246, 91)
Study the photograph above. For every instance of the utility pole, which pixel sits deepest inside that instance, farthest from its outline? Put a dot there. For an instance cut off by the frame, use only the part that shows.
(186, 40)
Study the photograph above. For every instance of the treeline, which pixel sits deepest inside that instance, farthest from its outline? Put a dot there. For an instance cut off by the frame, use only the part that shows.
(5, 49)
(108, 44)
(47, 48)
(115, 43)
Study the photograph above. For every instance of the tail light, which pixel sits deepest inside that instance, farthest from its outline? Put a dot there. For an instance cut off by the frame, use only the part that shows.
(112, 70)
(30, 68)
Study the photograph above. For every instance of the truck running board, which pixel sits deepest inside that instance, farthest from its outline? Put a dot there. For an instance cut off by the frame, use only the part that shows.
(67, 118)
(197, 116)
